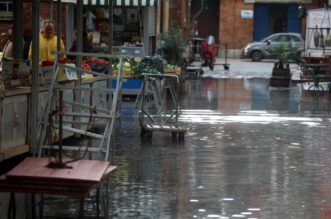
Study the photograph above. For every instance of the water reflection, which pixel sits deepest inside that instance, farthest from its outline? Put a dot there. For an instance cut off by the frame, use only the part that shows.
(250, 152)
(230, 95)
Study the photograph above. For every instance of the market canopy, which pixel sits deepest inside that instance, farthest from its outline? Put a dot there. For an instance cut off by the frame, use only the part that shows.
(115, 2)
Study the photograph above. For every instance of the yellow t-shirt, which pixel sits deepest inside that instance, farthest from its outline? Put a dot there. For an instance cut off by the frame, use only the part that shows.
(47, 45)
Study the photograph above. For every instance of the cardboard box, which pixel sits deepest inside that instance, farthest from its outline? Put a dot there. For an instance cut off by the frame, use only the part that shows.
(64, 74)
(68, 74)
(45, 75)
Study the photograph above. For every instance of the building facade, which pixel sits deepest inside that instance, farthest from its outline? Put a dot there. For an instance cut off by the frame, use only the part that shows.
(234, 23)
(243, 21)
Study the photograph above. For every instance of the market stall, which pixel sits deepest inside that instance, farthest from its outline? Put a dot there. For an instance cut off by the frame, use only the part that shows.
(316, 69)
(318, 36)
(130, 33)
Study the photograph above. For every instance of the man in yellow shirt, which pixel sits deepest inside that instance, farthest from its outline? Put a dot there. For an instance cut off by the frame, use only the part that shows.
(48, 44)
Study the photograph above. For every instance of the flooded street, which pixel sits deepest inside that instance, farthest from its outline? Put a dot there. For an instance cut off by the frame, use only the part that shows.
(250, 152)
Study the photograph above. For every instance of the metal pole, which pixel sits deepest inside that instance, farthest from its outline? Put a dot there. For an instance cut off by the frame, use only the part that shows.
(58, 26)
(60, 111)
(110, 50)
(196, 15)
(79, 47)
(165, 22)
(110, 36)
(69, 25)
(18, 30)
(35, 76)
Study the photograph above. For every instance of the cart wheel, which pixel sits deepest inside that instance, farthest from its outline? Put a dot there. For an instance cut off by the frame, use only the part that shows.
(148, 135)
(181, 136)
(142, 132)
(173, 135)
(145, 134)
(226, 67)
(205, 63)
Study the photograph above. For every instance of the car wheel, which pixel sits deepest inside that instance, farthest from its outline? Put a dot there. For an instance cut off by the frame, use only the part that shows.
(256, 56)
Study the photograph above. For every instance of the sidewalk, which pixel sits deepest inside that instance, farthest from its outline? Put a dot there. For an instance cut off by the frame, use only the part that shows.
(243, 68)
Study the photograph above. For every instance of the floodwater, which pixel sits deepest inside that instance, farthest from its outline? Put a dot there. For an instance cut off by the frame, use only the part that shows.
(251, 152)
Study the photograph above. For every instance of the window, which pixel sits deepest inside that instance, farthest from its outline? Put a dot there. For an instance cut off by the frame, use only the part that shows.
(6, 6)
(6, 10)
(295, 39)
(279, 38)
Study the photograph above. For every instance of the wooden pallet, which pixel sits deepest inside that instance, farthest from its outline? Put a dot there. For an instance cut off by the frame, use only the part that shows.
(176, 130)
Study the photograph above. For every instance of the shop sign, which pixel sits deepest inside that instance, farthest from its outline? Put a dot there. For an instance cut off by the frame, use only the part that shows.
(247, 14)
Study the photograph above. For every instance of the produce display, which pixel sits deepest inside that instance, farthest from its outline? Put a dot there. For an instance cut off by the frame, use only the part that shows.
(171, 69)
(135, 68)
(131, 67)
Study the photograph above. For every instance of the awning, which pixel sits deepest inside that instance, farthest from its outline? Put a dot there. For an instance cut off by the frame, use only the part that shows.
(134, 2)
(115, 2)
(122, 2)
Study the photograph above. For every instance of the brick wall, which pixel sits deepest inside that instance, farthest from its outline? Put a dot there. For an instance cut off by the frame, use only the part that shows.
(235, 32)
(174, 12)
(179, 16)
(27, 16)
(45, 13)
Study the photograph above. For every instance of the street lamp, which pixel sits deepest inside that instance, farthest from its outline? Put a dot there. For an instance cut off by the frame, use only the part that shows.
(203, 3)
(302, 11)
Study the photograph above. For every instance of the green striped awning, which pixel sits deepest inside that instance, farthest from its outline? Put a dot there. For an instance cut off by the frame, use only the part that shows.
(122, 2)
(115, 2)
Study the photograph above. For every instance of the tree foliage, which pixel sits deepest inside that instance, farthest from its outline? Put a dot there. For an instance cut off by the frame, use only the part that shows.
(286, 53)
(173, 46)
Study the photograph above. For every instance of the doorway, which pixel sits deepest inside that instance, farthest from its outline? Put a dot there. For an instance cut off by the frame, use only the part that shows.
(278, 19)
(275, 18)
(206, 26)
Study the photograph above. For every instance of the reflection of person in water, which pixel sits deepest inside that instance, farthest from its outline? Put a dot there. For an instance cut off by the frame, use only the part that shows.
(328, 38)
(321, 38)
(316, 36)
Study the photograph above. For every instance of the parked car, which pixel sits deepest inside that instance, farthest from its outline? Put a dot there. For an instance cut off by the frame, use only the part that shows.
(260, 50)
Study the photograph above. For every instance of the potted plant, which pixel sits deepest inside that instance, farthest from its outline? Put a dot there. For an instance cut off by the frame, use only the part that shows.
(281, 73)
(173, 46)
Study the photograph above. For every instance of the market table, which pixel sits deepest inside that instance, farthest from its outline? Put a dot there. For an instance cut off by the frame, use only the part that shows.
(33, 176)
(320, 72)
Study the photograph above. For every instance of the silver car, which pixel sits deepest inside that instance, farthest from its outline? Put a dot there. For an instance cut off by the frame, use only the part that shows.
(259, 50)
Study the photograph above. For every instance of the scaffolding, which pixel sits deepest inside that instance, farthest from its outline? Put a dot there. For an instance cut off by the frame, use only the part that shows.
(79, 113)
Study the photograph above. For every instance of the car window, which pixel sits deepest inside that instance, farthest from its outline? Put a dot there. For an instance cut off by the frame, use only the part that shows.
(278, 39)
(295, 39)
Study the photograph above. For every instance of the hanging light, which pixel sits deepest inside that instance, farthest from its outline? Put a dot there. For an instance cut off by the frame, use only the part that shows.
(302, 11)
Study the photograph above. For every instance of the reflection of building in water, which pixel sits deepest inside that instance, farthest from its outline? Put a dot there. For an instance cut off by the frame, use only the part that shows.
(315, 102)
(209, 88)
(232, 94)
(328, 38)
(258, 92)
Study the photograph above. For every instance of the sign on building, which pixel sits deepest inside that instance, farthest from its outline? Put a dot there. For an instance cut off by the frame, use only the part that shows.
(247, 14)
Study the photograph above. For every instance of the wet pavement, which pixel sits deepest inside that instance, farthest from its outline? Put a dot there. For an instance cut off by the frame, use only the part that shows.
(251, 152)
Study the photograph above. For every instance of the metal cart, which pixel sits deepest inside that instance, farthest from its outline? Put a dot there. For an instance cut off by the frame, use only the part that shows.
(158, 106)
